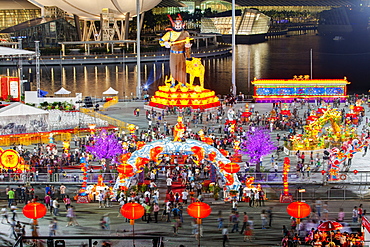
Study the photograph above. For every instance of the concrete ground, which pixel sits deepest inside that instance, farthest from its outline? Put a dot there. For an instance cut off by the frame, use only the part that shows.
(89, 215)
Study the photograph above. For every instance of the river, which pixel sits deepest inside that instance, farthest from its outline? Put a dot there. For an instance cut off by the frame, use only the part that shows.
(278, 58)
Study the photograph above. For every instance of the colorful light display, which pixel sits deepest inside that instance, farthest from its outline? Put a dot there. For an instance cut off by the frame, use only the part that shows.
(300, 87)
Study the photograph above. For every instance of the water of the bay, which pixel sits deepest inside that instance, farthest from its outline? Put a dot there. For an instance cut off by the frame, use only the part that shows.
(278, 58)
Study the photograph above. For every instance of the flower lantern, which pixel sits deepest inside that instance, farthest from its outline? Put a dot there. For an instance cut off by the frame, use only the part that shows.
(212, 156)
(34, 210)
(231, 167)
(298, 210)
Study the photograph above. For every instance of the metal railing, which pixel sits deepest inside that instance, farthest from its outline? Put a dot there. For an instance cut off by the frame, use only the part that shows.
(343, 178)
(88, 241)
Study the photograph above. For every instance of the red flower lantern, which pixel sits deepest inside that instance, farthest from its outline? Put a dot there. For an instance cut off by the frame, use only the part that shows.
(212, 156)
(231, 167)
(132, 211)
(34, 210)
(224, 152)
(199, 210)
(298, 210)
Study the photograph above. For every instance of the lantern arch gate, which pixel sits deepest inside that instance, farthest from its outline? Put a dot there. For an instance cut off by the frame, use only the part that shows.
(201, 150)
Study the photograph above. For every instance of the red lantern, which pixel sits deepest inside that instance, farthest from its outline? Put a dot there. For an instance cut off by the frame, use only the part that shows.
(298, 210)
(231, 167)
(125, 169)
(199, 210)
(140, 162)
(132, 211)
(323, 172)
(355, 172)
(34, 210)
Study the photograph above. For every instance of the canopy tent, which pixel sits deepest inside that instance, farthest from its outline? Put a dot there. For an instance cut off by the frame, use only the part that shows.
(10, 52)
(20, 118)
(110, 91)
(62, 91)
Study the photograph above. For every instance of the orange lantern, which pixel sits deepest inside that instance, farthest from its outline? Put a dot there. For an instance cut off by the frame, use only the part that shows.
(199, 210)
(298, 210)
(125, 169)
(132, 211)
(34, 210)
(231, 167)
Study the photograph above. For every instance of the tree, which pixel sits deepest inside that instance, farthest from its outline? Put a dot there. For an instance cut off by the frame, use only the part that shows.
(257, 143)
(106, 147)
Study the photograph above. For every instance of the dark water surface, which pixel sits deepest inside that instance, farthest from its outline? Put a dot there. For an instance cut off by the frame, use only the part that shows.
(278, 58)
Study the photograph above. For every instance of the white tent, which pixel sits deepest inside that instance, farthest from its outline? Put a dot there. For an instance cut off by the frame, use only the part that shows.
(110, 91)
(9, 52)
(21, 118)
(62, 91)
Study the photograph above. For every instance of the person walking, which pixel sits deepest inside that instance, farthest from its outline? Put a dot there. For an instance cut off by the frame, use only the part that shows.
(245, 222)
(56, 207)
(156, 209)
(269, 215)
(264, 219)
(71, 215)
(235, 221)
(225, 236)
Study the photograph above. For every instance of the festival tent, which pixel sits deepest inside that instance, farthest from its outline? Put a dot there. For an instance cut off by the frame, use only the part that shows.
(110, 91)
(10, 52)
(20, 118)
(62, 91)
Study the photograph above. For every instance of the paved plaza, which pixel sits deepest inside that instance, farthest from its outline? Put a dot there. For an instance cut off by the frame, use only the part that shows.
(338, 196)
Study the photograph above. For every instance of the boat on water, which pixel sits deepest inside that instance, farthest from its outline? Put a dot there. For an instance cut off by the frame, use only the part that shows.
(338, 38)
(251, 26)
(344, 22)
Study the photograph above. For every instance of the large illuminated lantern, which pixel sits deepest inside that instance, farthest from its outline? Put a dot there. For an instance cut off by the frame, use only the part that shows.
(177, 91)
(300, 87)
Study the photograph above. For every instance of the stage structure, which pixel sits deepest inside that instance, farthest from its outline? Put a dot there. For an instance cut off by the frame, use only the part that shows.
(300, 87)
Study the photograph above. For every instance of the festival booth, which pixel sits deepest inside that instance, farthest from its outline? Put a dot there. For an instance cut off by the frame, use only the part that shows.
(110, 91)
(300, 87)
(63, 91)
(32, 98)
(20, 118)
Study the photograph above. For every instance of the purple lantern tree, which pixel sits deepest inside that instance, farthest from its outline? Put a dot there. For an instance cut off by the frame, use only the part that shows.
(257, 143)
(106, 147)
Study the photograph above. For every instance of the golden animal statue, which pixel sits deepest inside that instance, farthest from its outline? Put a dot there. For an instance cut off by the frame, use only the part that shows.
(195, 68)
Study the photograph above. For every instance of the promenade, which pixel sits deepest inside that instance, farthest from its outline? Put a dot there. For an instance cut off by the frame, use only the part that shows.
(89, 215)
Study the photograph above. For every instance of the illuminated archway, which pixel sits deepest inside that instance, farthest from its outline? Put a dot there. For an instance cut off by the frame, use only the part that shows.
(200, 149)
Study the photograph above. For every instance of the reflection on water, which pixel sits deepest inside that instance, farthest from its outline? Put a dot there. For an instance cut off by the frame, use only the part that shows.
(280, 58)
